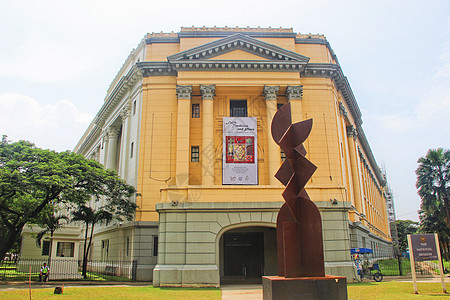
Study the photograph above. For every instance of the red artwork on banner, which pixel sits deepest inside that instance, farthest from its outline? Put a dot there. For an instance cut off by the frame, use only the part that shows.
(240, 149)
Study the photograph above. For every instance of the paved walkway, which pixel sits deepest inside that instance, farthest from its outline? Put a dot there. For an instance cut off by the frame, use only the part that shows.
(242, 292)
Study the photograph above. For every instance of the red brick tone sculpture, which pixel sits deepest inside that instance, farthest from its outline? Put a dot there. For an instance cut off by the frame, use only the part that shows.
(299, 225)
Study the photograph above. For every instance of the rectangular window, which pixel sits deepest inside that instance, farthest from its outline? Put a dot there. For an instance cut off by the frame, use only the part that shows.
(105, 249)
(195, 154)
(128, 246)
(155, 245)
(195, 110)
(132, 149)
(46, 248)
(134, 107)
(65, 249)
(238, 108)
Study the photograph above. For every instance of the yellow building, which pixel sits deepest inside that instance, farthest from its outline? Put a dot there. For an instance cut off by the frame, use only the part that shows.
(208, 199)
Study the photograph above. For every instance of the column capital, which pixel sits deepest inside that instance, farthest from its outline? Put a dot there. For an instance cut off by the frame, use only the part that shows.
(125, 113)
(112, 132)
(270, 92)
(208, 91)
(351, 132)
(184, 91)
(95, 153)
(294, 92)
(342, 110)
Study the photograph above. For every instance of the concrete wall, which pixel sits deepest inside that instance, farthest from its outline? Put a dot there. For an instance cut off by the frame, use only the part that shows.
(189, 238)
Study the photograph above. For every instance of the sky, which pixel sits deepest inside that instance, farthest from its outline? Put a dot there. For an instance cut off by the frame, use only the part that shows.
(58, 58)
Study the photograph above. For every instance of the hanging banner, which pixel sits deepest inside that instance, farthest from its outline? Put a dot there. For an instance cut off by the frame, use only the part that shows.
(240, 161)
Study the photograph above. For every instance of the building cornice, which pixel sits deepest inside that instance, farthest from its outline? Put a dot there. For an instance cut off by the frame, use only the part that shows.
(124, 84)
(156, 68)
(368, 152)
(334, 72)
(241, 42)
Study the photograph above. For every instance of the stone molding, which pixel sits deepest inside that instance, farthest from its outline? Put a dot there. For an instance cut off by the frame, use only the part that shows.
(184, 91)
(271, 92)
(95, 153)
(112, 132)
(351, 132)
(242, 42)
(343, 110)
(294, 92)
(125, 113)
(208, 91)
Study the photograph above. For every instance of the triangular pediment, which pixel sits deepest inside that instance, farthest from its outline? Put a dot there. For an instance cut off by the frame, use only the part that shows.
(238, 42)
(238, 55)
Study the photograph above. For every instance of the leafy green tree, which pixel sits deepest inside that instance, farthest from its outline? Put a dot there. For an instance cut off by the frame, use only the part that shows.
(50, 223)
(405, 227)
(434, 221)
(433, 182)
(32, 178)
(101, 215)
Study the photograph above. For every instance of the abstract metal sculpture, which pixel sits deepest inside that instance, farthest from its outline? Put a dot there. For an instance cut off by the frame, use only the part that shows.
(299, 225)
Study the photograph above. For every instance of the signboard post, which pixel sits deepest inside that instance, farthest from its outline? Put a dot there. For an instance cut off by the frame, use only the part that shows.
(424, 247)
(240, 160)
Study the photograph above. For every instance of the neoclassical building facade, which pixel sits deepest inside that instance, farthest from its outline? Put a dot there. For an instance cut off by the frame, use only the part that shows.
(187, 121)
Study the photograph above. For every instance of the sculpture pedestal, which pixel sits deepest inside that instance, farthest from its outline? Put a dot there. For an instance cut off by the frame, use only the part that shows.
(305, 288)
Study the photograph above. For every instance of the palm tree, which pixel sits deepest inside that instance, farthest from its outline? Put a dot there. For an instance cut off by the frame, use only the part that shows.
(88, 216)
(50, 223)
(433, 181)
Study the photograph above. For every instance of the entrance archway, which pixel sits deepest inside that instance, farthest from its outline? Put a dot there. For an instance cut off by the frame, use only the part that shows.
(247, 253)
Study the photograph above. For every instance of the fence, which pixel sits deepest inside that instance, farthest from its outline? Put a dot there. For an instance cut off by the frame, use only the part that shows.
(399, 266)
(68, 269)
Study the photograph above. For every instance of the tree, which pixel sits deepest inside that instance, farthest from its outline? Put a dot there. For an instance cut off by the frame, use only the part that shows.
(50, 223)
(102, 215)
(433, 182)
(32, 178)
(434, 221)
(405, 227)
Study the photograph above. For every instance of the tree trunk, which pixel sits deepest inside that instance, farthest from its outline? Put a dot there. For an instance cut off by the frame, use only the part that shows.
(51, 246)
(447, 211)
(87, 251)
(84, 252)
(9, 243)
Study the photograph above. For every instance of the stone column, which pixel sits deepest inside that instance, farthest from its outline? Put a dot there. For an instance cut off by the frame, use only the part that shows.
(183, 144)
(111, 156)
(124, 152)
(95, 154)
(294, 94)
(207, 157)
(352, 135)
(270, 93)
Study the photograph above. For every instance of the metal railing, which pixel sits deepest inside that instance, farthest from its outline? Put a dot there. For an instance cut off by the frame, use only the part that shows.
(68, 269)
(401, 266)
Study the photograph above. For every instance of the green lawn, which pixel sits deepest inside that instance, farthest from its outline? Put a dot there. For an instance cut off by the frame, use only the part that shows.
(394, 290)
(356, 291)
(111, 293)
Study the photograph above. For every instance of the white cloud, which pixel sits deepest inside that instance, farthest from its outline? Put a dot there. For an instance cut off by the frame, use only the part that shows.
(56, 126)
(43, 59)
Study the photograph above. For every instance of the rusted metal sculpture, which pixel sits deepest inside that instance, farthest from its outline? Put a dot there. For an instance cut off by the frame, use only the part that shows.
(299, 225)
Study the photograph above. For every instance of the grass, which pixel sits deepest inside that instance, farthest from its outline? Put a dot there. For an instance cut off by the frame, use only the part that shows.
(394, 290)
(356, 291)
(11, 274)
(111, 293)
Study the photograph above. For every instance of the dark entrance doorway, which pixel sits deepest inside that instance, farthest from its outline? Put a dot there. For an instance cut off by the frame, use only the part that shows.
(247, 253)
(243, 255)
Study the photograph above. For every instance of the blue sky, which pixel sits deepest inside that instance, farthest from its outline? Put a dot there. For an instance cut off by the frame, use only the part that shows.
(58, 58)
